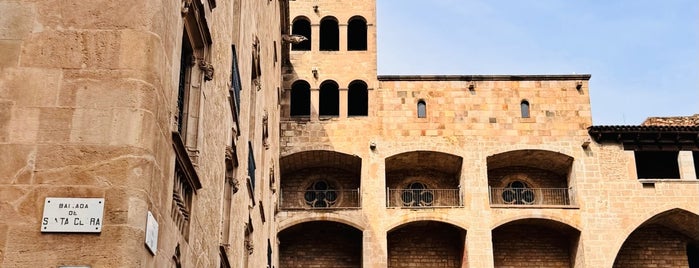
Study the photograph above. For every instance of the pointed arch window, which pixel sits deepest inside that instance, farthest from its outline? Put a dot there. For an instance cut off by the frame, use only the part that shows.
(524, 106)
(356, 34)
(300, 99)
(421, 109)
(329, 34)
(357, 99)
(302, 26)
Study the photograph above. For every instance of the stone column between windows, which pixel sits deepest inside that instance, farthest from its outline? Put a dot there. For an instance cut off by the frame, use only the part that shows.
(343, 36)
(315, 103)
(343, 103)
(686, 164)
(374, 252)
(315, 34)
(478, 247)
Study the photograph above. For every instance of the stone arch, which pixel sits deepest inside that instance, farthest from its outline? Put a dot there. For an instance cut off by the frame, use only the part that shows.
(438, 175)
(397, 223)
(427, 242)
(544, 173)
(301, 173)
(334, 217)
(678, 223)
(543, 216)
(320, 243)
(553, 243)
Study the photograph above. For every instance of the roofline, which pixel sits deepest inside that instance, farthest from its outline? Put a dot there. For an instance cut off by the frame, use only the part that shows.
(648, 137)
(489, 77)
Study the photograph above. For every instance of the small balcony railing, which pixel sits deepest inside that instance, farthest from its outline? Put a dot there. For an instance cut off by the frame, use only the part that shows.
(319, 199)
(531, 197)
(423, 198)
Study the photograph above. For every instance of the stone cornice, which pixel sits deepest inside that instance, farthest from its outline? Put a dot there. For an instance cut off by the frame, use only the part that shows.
(526, 77)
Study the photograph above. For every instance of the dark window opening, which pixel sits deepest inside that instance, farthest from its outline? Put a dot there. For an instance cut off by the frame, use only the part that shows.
(302, 27)
(421, 109)
(357, 99)
(300, 99)
(657, 165)
(329, 99)
(356, 34)
(251, 166)
(695, 155)
(525, 109)
(329, 35)
(269, 254)
(183, 87)
(693, 255)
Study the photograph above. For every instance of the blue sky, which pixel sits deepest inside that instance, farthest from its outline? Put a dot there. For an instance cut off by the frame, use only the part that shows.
(643, 54)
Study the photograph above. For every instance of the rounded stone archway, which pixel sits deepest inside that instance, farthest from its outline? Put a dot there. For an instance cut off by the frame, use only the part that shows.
(320, 244)
(426, 244)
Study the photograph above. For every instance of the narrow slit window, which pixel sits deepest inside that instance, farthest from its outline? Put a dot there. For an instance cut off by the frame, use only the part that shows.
(524, 105)
(421, 109)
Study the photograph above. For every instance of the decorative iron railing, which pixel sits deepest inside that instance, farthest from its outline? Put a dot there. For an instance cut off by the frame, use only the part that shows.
(423, 198)
(531, 196)
(319, 199)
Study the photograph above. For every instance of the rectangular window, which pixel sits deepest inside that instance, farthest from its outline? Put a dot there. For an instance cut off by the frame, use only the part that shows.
(657, 164)
(695, 155)
(269, 253)
(235, 84)
(251, 166)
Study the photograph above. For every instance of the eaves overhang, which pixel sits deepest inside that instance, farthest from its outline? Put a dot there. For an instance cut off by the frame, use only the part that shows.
(658, 138)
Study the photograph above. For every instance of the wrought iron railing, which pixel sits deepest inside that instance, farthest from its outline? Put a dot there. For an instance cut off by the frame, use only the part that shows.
(423, 198)
(319, 199)
(531, 196)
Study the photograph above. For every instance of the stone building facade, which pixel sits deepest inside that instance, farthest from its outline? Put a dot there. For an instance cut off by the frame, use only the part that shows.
(466, 171)
(166, 108)
(251, 152)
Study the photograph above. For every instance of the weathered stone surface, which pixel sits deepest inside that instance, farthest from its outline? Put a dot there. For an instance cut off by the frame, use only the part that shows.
(17, 20)
(10, 53)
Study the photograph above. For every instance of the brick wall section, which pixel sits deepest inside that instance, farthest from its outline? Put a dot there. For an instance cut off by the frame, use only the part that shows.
(534, 177)
(294, 184)
(525, 245)
(426, 244)
(320, 244)
(653, 246)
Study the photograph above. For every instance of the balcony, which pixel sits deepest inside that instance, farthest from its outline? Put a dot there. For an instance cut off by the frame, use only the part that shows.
(423, 198)
(532, 197)
(319, 199)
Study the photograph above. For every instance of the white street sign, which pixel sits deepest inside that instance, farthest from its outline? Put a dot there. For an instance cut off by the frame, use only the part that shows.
(72, 215)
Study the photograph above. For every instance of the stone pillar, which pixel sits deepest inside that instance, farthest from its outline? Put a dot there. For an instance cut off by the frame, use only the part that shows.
(315, 33)
(479, 248)
(315, 103)
(343, 103)
(374, 250)
(685, 160)
(343, 36)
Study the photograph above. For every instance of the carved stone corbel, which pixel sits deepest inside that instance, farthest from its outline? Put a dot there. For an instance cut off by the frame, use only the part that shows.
(208, 70)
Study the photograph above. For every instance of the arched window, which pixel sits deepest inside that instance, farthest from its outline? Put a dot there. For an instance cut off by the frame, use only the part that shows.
(329, 99)
(329, 34)
(302, 27)
(356, 34)
(421, 109)
(525, 108)
(357, 99)
(300, 99)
